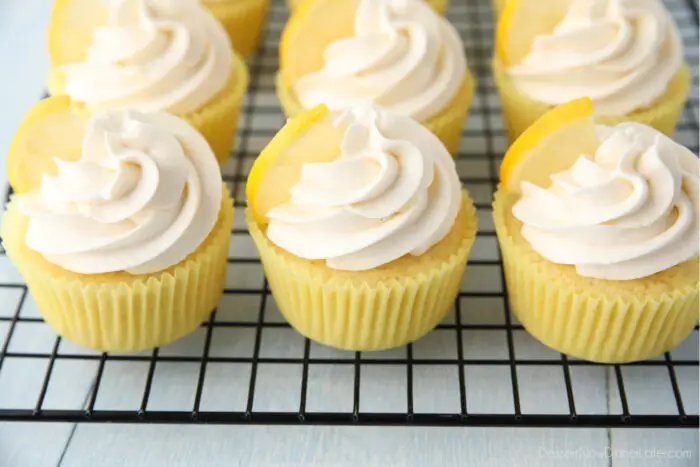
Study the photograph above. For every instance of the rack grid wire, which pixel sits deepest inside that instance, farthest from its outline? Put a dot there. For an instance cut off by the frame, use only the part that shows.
(245, 365)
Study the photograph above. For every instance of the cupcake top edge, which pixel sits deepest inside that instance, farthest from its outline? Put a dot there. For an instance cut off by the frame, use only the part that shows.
(140, 198)
(152, 55)
(403, 55)
(628, 211)
(623, 54)
(393, 190)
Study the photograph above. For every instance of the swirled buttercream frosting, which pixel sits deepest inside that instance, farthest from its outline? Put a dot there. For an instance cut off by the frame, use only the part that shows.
(621, 53)
(393, 191)
(139, 199)
(152, 55)
(626, 212)
(403, 55)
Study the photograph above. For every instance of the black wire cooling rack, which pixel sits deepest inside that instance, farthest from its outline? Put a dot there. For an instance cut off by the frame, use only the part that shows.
(247, 366)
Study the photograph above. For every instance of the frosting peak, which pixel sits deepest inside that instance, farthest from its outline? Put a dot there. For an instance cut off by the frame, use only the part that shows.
(153, 55)
(139, 199)
(403, 56)
(626, 212)
(393, 191)
(621, 53)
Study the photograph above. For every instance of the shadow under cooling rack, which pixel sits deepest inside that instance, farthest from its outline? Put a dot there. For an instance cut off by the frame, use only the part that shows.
(246, 365)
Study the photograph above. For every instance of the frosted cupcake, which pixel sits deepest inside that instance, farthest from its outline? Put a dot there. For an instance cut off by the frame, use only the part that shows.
(599, 232)
(625, 55)
(151, 56)
(362, 226)
(401, 55)
(120, 225)
(244, 21)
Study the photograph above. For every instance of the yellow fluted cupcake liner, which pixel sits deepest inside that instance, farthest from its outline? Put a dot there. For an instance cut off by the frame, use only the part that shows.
(120, 312)
(593, 319)
(244, 21)
(386, 307)
(217, 120)
(440, 6)
(520, 112)
(447, 125)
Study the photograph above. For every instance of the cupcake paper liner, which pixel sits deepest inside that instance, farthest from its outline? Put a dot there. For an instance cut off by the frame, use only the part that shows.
(520, 112)
(379, 309)
(447, 125)
(440, 6)
(593, 319)
(119, 312)
(244, 21)
(217, 120)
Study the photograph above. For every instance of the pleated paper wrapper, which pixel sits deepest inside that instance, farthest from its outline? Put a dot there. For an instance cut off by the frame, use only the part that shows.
(447, 125)
(217, 120)
(440, 6)
(369, 310)
(593, 319)
(520, 112)
(119, 312)
(244, 21)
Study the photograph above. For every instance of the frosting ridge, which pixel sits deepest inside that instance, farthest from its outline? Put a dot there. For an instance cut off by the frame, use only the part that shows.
(153, 55)
(621, 53)
(403, 56)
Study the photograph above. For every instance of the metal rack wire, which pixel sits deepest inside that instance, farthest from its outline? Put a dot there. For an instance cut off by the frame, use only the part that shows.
(247, 312)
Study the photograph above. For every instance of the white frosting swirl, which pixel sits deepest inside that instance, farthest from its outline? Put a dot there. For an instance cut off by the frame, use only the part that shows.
(403, 56)
(620, 53)
(139, 199)
(153, 55)
(393, 191)
(629, 211)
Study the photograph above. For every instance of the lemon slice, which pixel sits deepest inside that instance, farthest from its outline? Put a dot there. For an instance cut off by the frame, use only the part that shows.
(308, 137)
(51, 129)
(550, 145)
(314, 25)
(70, 28)
(521, 21)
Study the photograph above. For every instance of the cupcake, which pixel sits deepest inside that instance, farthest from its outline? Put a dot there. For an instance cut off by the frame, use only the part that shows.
(244, 21)
(401, 55)
(626, 55)
(149, 55)
(119, 224)
(598, 228)
(362, 226)
(439, 5)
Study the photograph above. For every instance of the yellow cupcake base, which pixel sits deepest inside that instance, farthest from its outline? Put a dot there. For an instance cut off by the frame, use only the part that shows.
(440, 6)
(447, 125)
(520, 112)
(593, 319)
(386, 307)
(217, 120)
(119, 312)
(244, 21)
